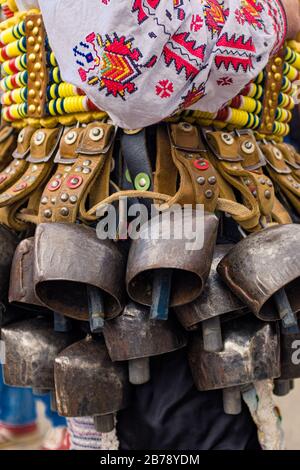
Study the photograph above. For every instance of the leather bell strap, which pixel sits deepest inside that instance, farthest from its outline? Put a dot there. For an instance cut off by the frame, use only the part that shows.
(65, 159)
(43, 145)
(198, 179)
(255, 188)
(7, 145)
(88, 178)
(19, 165)
(282, 174)
(292, 158)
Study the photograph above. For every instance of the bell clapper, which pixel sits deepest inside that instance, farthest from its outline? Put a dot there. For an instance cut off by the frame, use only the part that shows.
(53, 403)
(289, 320)
(96, 309)
(232, 400)
(281, 387)
(104, 423)
(62, 324)
(212, 335)
(161, 291)
(139, 371)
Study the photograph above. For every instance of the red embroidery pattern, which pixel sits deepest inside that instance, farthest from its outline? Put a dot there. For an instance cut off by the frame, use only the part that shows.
(225, 81)
(140, 7)
(196, 23)
(184, 54)
(164, 89)
(235, 52)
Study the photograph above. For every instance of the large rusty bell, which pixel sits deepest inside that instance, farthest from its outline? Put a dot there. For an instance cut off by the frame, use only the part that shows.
(31, 347)
(216, 302)
(8, 244)
(163, 270)
(135, 337)
(88, 383)
(70, 262)
(263, 270)
(251, 353)
(21, 288)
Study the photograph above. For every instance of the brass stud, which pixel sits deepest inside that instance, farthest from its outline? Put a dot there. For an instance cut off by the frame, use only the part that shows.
(278, 61)
(39, 22)
(32, 108)
(274, 68)
(32, 93)
(32, 57)
(42, 75)
(37, 48)
(39, 109)
(40, 39)
(37, 67)
(30, 24)
(274, 96)
(31, 40)
(273, 86)
(278, 77)
(35, 31)
(37, 85)
(32, 76)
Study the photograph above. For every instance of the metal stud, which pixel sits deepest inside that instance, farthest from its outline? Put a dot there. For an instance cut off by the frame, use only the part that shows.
(44, 200)
(201, 180)
(268, 194)
(71, 137)
(86, 171)
(64, 197)
(73, 199)
(53, 200)
(212, 180)
(48, 213)
(64, 211)
(21, 136)
(209, 194)
(39, 138)
(278, 154)
(227, 138)
(186, 126)
(78, 169)
(86, 163)
(96, 134)
(248, 147)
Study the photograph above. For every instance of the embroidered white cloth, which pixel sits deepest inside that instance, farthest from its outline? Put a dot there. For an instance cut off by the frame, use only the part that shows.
(143, 60)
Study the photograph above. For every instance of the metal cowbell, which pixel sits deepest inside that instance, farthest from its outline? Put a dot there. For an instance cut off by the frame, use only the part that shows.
(21, 288)
(135, 337)
(70, 259)
(31, 347)
(217, 302)
(251, 353)
(150, 255)
(261, 265)
(88, 383)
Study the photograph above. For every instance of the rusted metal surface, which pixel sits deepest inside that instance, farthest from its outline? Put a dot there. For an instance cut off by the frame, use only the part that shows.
(134, 335)
(260, 265)
(21, 288)
(216, 299)
(8, 243)
(251, 353)
(68, 257)
(190, 267)
(31, 347)
(88, 383)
